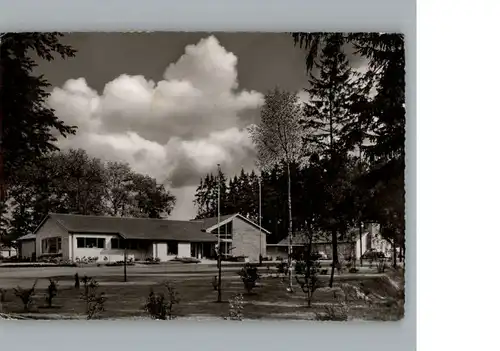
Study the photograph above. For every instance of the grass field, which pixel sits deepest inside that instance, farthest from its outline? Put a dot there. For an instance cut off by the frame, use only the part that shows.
(377, 297)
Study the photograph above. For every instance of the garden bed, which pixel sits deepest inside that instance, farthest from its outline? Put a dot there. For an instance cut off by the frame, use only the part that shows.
(197, 298)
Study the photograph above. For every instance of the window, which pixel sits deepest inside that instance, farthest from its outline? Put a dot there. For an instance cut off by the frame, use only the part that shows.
(80, 242)
(101, 242)
(90, 243)
(51, 245)
(226, 230)
(172, 248)
(227, 248)
(115, 243)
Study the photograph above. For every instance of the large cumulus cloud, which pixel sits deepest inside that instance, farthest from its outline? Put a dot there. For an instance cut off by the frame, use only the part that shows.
(176, 129)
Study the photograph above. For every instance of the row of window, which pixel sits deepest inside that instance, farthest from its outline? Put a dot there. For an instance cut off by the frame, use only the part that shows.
(90, 243)
(100, 243)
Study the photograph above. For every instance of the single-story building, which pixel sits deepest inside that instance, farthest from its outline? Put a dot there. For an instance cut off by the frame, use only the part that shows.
(79, 237)
(348, 247)
(26, 244)
(7, 251)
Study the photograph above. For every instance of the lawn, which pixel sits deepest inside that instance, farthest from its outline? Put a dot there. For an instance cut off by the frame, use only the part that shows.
(375, 297)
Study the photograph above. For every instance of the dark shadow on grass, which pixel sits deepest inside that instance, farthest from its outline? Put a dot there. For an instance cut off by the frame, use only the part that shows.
(54, 307)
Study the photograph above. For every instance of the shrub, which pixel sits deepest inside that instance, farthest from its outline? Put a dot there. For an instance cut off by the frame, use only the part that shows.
(51, 291)
(381, 266)
(93, 300)
(282, 267)
(235, 308)
(26, 295)
(77, 281)
(3, 294)
(353, 270)
(334, 312)
(249, 277)
(300, 267)
(156, 306)
(160, 306)
(215, 283)
(324, 271)
(309, 281)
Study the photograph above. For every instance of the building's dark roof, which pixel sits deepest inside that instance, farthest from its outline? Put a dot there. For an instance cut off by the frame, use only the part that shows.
(27, 237)
(134, 228)
(212, 221)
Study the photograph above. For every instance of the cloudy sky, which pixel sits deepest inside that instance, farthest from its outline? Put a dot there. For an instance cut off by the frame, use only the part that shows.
(172, 105)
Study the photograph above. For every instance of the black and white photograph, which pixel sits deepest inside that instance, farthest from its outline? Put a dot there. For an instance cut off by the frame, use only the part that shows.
(202, 176)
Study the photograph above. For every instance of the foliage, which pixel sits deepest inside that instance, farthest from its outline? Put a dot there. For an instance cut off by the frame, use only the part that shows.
(73, 182)
(278, 137)
(3, 294)
(26, 295)
(51, 291)
(249, 276)
(94, 301)
(334, 312)
(77, 281)
(282, 267)
(236, 306)
(206, 196)
(375, 119)
(381, 266)
(29, 127)
(215, 283)
(160, 305)
(309, 281)
(156, 306)
(300, 267)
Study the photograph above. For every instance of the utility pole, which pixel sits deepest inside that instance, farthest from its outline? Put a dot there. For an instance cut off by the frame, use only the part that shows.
(2, 176)
(219, 253)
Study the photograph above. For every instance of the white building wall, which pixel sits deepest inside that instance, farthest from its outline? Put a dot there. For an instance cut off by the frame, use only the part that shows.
(184, 250)
(103, 254)
(365, 244)
(161, 252)
(79, 253)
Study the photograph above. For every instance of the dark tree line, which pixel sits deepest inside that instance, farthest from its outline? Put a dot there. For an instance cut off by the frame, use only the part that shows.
(73, 182)
(241, 195)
